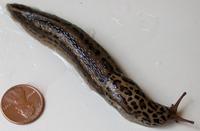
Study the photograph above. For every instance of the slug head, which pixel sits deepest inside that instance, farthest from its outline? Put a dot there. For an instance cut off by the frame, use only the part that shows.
(173, 111)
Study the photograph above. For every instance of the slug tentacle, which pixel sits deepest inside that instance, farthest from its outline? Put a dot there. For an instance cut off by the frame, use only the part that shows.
(96, 65)
(174, 108)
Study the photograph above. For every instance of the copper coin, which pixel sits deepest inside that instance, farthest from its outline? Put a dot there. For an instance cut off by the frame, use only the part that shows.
(22, 104)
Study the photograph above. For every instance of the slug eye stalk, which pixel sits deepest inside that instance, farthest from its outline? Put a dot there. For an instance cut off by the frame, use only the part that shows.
(174, 108)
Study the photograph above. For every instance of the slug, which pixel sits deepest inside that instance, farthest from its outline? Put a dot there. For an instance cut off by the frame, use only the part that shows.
(96, 65)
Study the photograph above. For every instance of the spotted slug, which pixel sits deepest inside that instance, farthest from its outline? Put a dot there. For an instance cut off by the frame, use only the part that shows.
(96, 65)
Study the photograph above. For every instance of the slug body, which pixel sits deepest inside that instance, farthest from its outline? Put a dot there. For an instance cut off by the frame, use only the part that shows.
(96, 65)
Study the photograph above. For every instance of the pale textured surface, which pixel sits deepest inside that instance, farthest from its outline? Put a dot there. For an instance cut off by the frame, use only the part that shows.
(156, 43)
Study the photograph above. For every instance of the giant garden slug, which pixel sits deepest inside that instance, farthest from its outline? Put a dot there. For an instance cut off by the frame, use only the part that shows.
(96, 65)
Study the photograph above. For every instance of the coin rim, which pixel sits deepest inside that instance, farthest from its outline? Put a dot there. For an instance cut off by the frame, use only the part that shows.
(39, 94)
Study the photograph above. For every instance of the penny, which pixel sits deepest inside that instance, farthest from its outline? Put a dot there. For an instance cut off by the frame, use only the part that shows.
(22, 104)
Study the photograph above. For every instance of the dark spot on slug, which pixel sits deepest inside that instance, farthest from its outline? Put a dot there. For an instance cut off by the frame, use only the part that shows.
(163, 117)
(130, 98)
(152, 105)
(91, 47)
(159, 112)
(145, 114)
(113, 77)
(90, 43)
(140, 93)
(50, 38)
(55, 41)
(155, 115)
(109, 74)
(86, 41)
(131, 87)
(137, 113)
(81, 35)
(110, 97)
(146, 120)
(122, 88)
(75, 29)
(134, 104)
(168, 116)
(117, 73)
(117, 69)
(142, 104)
(106, 64)
(97, 52)
(108, 89)
(116, 82)
(129, 109)
(149, 111)
(156, 121)
(125, 102)
(162, 109)
(137, 97)
(128, 92)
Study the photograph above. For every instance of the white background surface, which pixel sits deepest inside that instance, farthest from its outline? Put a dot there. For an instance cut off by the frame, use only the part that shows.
(156, 42)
